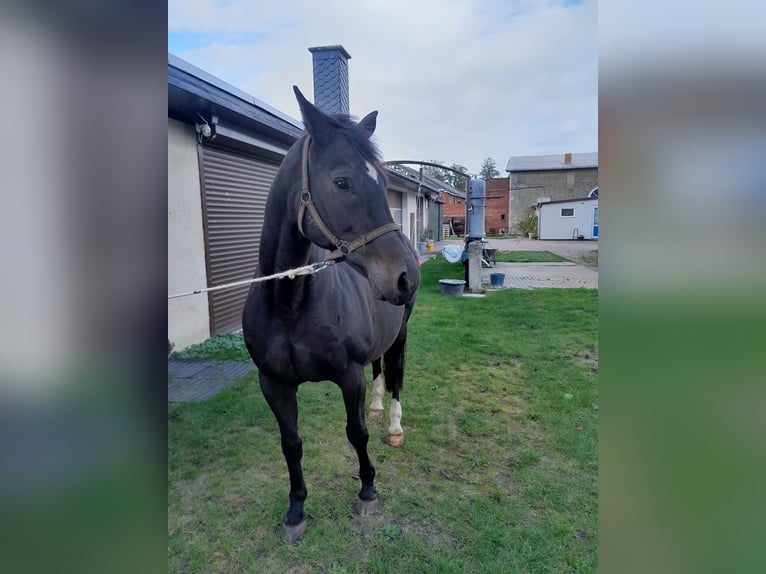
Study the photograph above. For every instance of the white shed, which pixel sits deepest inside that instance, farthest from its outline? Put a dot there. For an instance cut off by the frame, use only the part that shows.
(568, 219)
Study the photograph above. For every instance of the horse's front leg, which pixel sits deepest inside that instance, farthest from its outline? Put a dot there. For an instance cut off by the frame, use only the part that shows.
(353, 386)
(283, 402)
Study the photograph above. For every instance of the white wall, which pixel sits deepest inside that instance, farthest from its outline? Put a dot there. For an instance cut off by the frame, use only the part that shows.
(553, 226)
(188, 318)
(409, 206)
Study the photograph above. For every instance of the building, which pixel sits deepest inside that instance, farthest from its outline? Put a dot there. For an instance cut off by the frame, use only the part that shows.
(568, 219)
(453, 211)
(535, 179)
(496, 209)
(224, 149)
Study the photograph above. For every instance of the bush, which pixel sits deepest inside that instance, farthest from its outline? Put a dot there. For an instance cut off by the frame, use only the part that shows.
(528, 224)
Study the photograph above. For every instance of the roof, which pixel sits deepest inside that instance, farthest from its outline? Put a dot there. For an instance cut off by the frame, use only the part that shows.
(430, 183)
(552, 162)
(567, 200)
(193, 92)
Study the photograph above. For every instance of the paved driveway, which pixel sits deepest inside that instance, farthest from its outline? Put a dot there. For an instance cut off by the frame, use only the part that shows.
(572, 274)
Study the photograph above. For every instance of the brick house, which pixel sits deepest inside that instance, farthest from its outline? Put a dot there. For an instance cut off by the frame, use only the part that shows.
(453, 210)
(496, 221)
(541, 178)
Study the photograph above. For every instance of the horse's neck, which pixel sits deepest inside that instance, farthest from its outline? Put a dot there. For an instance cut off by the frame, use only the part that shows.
(282, 246)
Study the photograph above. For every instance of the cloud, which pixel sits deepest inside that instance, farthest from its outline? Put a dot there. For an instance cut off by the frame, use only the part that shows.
(457, 81)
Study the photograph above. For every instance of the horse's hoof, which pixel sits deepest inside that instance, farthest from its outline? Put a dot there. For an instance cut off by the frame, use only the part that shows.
(366, 507)
(293, 533)
(375, 413)
(395, 439)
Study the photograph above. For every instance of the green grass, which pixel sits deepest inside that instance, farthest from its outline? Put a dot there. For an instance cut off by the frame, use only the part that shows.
(228, 347)
(528, 257)
(498, 471)
(590, 259)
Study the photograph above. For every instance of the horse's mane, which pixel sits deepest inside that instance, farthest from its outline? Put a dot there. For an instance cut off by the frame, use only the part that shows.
(359, 141)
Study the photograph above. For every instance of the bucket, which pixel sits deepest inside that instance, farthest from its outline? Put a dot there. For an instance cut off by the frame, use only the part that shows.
(497, 279)
(452, 286)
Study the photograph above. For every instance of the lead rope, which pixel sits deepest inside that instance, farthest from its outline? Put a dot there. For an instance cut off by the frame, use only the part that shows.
(290, 274)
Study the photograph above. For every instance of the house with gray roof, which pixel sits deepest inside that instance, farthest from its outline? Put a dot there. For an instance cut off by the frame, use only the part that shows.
(537, 179)
(224, 149)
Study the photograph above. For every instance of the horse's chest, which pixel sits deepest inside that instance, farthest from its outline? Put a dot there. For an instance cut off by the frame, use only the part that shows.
(318, 342)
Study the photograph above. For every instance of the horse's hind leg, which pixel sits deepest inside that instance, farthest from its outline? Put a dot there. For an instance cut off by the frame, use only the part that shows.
(394, 379)
(378, 387)
(353, 387)
(284, 405)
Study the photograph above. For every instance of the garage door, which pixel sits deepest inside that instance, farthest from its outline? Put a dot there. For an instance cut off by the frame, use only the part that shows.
(235, 188)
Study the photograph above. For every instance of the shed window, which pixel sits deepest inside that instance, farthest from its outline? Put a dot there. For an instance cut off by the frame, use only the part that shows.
(567, 212)
(502, 217)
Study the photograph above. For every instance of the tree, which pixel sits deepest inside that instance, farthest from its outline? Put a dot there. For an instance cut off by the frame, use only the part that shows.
(439, 174)
(488, 169)
(459, 182)
(450, 177)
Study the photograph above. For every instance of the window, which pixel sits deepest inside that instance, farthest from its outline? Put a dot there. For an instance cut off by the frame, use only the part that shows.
(567, 212)
(502, 217)
(396, 213)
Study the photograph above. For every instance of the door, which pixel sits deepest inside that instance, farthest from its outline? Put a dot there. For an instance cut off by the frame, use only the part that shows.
(235, 188)
(595, 222)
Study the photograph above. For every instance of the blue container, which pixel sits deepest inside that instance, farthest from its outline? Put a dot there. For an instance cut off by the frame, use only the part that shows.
(497, 279)
(452, 286)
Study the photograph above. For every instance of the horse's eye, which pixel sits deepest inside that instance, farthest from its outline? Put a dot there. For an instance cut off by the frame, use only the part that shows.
(341, 183)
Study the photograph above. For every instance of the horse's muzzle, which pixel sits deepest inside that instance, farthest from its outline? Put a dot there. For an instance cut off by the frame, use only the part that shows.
(391, 265)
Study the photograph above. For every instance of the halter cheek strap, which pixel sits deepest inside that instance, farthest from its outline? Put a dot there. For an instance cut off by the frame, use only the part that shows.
(342, 247)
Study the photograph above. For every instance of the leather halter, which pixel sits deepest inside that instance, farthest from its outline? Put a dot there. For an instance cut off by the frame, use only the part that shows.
(342, 247)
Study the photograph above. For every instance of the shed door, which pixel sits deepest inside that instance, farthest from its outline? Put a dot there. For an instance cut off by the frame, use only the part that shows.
(595, 222)
(395, 205)
(235, 188)
(435, 220)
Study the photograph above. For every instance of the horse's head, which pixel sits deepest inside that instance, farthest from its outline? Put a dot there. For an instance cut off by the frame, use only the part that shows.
(347, 187)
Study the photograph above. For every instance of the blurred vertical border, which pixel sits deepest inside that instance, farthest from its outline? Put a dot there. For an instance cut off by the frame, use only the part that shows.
(83, 259)
(682, 117)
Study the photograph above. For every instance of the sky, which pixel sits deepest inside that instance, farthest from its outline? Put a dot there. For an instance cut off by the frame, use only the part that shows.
(453, 80)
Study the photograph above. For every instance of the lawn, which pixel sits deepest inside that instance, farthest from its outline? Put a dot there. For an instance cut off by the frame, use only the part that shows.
(497, 473)
(590, 259)
(528, 257)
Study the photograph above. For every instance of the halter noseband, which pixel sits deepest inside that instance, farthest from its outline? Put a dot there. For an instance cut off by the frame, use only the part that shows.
(342, 247)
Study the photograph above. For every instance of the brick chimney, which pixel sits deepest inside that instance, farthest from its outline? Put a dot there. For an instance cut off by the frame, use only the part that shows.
(568, 157)
(331, 79)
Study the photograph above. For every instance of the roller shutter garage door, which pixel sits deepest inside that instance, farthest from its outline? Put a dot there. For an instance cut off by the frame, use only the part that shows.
(235, 188)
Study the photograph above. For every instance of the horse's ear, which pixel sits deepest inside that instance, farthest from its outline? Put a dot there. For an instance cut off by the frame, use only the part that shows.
(368, 123)
(317, 124)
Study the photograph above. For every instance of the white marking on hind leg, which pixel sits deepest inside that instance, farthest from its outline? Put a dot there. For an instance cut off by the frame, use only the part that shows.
(395, 414)
(376, 406)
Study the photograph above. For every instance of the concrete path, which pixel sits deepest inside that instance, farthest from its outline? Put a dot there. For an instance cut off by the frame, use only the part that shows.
(541, 275)
(572, 274)
(199, 379)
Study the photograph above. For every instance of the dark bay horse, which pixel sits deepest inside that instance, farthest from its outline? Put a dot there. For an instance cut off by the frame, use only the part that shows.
(328, 201)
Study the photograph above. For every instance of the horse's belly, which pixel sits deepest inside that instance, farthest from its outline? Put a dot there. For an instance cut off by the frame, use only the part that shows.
(388, 323)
